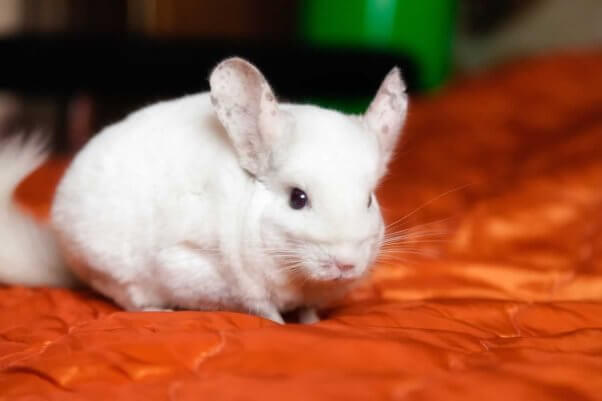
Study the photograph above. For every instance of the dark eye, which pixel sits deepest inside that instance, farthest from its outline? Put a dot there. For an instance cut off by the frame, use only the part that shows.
(369, 200)
(298, 199)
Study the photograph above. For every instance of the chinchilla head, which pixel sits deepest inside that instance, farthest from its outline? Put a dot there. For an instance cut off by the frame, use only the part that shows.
(315, 169)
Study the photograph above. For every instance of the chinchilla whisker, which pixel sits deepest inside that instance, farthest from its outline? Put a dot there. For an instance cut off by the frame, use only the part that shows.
(286, 256)
(421, 225)
(401, 241)
(417, 229)
(291, 259)
(399, 246)
(290, 264)
(406, 251)
(395, 241)
(415, 233)
(428, 203)
(281, 251)
(436, 226)
(425, 235)
(419, 252)
(292, 268)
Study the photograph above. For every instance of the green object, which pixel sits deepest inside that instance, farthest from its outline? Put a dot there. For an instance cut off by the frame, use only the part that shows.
(422, 30)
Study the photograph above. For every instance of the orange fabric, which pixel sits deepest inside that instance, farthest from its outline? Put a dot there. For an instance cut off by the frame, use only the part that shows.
(508, 306)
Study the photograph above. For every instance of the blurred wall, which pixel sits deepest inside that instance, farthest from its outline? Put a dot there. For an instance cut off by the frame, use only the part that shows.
(489, 32)
(74, 117)
(44, 16)
(272, 19)
(10, 16)
(507, 29)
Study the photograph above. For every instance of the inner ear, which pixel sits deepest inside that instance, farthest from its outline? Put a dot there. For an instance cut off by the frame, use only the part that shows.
(387, 112)
(247, 108)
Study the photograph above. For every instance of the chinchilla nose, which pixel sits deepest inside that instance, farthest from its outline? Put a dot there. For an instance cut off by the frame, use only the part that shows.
(343, 266)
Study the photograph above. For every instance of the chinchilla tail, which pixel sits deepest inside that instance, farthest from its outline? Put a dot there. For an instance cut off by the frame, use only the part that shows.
(28, 252)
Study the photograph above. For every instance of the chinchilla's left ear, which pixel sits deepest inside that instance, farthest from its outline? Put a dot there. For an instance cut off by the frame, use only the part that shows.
(387, 112)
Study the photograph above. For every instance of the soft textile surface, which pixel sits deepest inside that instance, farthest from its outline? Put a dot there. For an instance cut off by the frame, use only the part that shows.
(504, 301)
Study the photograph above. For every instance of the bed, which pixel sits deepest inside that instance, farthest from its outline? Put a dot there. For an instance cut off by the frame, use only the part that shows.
(496, 294)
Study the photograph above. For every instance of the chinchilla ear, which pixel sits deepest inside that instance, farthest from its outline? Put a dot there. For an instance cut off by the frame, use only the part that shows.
(248, 110)
(387, 112)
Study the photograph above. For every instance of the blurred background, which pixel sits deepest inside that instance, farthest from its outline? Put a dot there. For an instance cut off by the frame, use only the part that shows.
(73, 66)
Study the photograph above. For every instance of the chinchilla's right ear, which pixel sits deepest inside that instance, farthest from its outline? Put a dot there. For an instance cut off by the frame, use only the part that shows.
(248, 110)
(387, 112)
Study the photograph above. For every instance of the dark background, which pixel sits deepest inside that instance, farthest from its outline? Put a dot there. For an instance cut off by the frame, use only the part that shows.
(70, 67)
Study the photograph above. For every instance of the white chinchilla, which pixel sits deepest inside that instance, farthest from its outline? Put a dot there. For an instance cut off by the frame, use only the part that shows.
(227, 200)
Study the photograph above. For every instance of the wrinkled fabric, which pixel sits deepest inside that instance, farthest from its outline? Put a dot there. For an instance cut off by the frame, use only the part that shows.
(495, 291)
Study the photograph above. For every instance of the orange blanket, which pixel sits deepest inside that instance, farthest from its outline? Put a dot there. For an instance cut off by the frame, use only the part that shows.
(506, 304)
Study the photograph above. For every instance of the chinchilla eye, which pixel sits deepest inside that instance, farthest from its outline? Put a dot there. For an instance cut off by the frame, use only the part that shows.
(369, 200)
(298, 199)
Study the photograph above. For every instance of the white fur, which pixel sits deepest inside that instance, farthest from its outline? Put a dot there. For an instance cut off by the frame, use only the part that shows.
(185, 204)
(28, 253)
